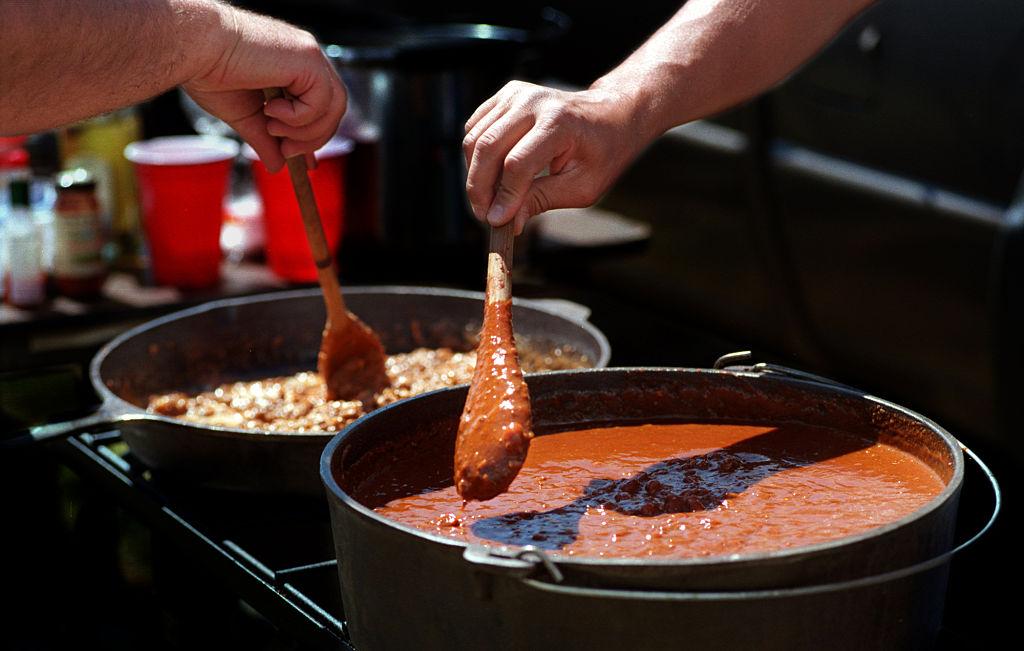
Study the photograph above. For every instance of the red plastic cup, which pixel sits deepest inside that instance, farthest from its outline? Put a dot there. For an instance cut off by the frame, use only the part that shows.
(182, 182)
(288, 253)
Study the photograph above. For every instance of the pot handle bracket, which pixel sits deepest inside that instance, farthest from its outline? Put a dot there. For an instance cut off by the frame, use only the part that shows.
(522, 564)
(740, 361)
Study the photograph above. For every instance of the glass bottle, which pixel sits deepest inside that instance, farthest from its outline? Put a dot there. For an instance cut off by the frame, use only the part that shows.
(79, 268)
(24, 278)
(13, 164)
(98, 146)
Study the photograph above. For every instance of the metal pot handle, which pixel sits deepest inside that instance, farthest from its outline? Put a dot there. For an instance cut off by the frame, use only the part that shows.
(41, 433)
(736, 362)
(523, 564)
(538, 559)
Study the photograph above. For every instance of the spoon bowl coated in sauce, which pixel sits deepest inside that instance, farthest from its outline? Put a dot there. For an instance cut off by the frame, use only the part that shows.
(351, 359)
(495, 428)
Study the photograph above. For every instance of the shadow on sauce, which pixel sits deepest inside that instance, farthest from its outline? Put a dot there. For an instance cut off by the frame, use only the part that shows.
(680, 485)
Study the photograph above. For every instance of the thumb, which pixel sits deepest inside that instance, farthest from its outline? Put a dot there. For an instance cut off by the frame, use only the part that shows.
(543, 193)
(555, 191)
(539, 198)
(505, 206)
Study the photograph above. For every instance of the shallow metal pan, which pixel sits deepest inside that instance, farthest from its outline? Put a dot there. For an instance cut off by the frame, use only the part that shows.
(267, 335)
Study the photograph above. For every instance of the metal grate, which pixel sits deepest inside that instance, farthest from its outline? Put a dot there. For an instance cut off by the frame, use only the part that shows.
(276, 553)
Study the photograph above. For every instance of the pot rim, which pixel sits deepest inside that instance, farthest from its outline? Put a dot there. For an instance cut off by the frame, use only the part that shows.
(948, 492)
(116, 407)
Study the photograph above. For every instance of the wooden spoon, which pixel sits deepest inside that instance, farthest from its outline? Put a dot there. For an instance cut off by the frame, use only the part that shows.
(495, 429)
(351, 360)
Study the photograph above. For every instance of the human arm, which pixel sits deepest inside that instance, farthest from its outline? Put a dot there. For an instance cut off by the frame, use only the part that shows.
(710, 55)
(65, 60)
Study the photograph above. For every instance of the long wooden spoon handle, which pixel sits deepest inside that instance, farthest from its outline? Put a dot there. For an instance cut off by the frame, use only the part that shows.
(499, 263)
(326, 272)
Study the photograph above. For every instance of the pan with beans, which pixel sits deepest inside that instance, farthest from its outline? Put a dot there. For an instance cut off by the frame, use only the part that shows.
(225, 394)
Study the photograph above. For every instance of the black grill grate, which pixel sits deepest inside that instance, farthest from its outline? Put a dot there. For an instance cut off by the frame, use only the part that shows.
(276, 553)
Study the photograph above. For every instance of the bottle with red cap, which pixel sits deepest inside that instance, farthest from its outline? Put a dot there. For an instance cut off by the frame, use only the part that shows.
(13, 164)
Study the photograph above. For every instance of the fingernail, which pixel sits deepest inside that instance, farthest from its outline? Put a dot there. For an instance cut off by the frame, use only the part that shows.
(495, 216)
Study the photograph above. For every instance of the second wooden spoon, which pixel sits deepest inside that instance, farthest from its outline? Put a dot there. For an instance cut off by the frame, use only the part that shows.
(352, 359)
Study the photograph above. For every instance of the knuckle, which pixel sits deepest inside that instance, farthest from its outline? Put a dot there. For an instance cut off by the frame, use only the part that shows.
(513, 166)
(522, 92)
(474, 192)
(555, 111)
(557, 114)
(309, 45)
(486, 142)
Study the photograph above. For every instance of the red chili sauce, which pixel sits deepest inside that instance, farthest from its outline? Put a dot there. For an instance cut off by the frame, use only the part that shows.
(677, 490)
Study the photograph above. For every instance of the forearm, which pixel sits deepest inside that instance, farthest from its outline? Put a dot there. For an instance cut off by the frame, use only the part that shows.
(716, 53)
(64, 60)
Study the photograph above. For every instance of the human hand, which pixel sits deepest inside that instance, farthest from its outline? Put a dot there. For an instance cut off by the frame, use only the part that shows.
(253, 52)
(583, 139)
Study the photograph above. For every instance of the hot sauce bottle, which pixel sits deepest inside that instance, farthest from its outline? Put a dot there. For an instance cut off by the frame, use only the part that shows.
(79, 269)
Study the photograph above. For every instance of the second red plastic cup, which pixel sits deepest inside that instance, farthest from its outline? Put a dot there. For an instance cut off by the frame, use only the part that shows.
(287, 248)
(182, 183)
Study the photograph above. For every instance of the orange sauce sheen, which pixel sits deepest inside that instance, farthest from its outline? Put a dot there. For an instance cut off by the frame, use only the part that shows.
(682, 490)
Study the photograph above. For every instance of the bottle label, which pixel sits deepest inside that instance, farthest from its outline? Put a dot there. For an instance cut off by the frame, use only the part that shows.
(78, 244)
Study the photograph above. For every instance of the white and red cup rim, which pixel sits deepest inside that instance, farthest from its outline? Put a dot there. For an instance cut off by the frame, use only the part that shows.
(336, 146)
(181, 150)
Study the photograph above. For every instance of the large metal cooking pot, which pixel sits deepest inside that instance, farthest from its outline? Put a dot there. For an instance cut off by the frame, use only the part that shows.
(412, 87)
(277, 334)
(884, 588)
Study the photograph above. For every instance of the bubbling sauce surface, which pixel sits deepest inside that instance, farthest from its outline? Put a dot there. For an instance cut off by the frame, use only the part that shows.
(678, 490)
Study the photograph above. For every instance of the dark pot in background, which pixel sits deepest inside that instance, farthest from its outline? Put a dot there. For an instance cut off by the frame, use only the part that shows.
(411, 89)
